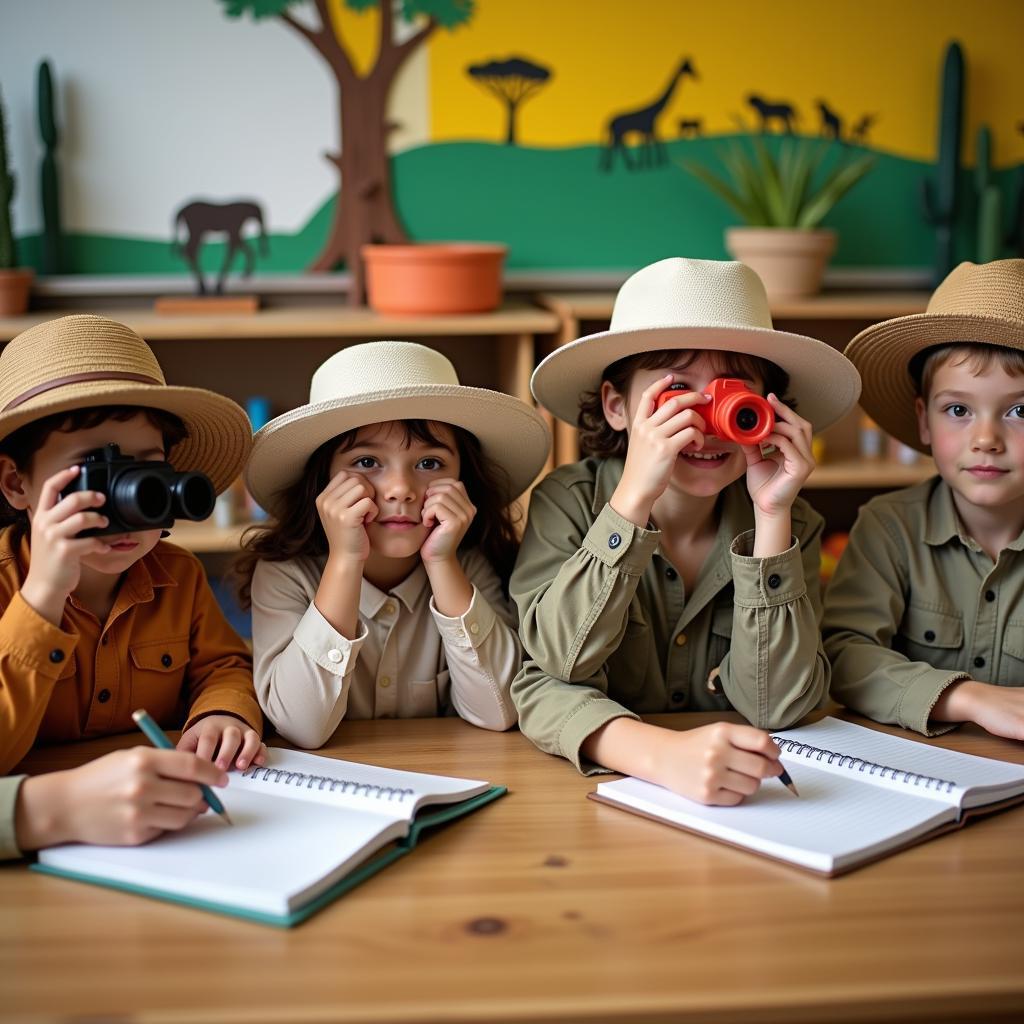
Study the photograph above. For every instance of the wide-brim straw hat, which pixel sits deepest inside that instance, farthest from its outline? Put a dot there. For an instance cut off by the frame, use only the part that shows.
(78, 362)
(698, 304)
(380, 381)
(977, 303)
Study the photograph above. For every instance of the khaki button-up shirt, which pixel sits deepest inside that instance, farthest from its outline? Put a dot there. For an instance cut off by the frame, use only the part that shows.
(165, 647)
(916, 605)
(408, 660)
(609, 630)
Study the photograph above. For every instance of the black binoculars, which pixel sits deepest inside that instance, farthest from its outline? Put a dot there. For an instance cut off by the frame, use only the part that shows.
(141, 495)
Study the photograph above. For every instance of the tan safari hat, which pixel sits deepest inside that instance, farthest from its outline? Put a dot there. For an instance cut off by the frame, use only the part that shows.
(395, 380)
(77, 362)
(978, 303)
(702, 304)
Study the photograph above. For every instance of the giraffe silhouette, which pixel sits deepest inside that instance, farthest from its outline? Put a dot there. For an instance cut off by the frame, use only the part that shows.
(642, 122)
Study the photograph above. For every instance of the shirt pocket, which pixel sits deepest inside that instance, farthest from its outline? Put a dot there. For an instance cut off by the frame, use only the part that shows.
(158, 674)
(1013, 640)
(721, 635)
(933, 637)
(421, 700)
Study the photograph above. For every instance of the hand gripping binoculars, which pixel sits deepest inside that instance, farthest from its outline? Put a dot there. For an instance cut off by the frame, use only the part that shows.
(734, 413)
(141, 495)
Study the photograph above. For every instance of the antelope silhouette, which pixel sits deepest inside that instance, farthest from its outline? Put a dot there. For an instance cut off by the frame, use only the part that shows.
(642, 122)
(200, 218)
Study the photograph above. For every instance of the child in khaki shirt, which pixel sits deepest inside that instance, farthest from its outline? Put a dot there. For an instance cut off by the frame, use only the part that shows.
(677, 570)
(924, 618)
(93, 627)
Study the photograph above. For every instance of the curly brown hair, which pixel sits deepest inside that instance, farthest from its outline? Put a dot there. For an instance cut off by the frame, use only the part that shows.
(597, 437)
(297, 531)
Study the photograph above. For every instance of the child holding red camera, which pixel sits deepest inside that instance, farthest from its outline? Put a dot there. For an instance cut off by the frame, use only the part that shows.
(380, 588)
(676, 568)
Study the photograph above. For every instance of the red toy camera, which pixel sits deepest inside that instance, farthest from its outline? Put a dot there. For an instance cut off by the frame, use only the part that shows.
(734, 413)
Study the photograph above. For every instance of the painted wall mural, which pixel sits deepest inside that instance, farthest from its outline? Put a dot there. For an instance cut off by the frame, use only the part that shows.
(559, 129)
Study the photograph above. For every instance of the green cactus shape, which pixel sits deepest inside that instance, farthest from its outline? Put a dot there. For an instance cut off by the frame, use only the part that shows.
(6, 198)
(49, 189)
(941, 197)
(990, 200)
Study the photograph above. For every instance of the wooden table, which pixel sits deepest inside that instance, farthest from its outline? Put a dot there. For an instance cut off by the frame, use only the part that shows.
(545, 907)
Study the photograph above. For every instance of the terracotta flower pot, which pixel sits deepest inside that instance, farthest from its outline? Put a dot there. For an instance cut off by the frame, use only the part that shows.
(14, 289)
(790, 261)
(434, 277)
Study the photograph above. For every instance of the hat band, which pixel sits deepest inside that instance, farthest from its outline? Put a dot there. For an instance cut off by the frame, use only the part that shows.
(77, 378)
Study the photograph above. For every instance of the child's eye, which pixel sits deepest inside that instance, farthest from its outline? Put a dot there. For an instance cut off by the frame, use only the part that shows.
(365, 462)
(956, 410)
(430, 464)
(1017, 412)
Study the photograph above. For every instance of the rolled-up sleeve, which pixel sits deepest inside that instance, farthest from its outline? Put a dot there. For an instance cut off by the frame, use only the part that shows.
(302, 665)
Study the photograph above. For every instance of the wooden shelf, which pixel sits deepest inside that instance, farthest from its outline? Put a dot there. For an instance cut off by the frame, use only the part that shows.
(867, 474)
(206, 538)
(308, 322)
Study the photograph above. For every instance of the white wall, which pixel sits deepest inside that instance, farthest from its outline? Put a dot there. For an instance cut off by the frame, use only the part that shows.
(160, 101)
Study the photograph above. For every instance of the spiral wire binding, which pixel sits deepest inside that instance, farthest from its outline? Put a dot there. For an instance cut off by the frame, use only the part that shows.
(807, 752)
(329, 782)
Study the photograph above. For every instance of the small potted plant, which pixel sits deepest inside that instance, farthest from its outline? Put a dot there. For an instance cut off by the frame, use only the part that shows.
(14, 281)
(782, 198)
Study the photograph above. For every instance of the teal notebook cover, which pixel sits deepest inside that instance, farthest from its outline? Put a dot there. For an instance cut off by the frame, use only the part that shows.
(426, 821)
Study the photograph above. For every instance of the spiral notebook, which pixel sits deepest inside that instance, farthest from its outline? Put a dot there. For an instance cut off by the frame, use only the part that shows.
(306, 830)
(863, 795)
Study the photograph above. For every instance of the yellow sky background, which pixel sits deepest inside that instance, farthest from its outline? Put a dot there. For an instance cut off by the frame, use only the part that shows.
(861, 56)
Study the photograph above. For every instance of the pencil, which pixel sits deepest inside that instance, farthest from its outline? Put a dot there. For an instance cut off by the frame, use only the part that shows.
(787, 782)
(158, 738)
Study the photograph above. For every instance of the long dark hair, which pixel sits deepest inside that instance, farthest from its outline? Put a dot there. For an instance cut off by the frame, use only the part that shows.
(296, 531)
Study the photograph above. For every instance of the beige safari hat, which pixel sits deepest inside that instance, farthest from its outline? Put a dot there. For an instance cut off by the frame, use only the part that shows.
(702, 304)
(395, 380)
(76, 362)
(978, 303)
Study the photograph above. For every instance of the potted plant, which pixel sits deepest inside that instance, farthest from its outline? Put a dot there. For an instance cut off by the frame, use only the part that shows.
(783, 197)
(14, 281)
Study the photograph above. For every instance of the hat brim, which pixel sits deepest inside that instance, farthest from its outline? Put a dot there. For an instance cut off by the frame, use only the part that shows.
(882, 353)
(510, 432)
(219, 432)
(824, 384)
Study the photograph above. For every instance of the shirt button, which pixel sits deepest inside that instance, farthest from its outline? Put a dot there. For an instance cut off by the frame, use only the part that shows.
(681, 640)
(678, 696)
(103, 696)
(104, 640)
(990, 595)
(614, 541)
(929, 635)
(474, 628)
(385, 681)
(334, 655)
(670, 573)
(389, 608)
(166, 660)
(979, 662)
(774, 580)
(56, 656)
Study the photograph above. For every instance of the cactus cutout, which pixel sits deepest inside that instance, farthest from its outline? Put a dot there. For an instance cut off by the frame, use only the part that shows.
(49, 190)
(990, 200)
(941, 196)
(6, 198)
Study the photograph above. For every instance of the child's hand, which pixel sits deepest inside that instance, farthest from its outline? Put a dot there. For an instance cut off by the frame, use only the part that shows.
(121, 799)
(225, 736)
(997, 709)
(775, 480)
(448, 514)
(345, 506)
(716, 764)
(57, 551)
(655, 441)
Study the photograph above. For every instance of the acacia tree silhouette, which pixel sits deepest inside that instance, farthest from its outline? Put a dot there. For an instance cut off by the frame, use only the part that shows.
(365, 209)
(513, 81)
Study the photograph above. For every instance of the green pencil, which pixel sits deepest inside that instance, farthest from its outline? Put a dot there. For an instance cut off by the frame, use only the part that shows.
(158, 738)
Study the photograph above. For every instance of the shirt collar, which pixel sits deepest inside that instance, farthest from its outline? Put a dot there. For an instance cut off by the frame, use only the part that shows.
(409, 591)
(942, 522)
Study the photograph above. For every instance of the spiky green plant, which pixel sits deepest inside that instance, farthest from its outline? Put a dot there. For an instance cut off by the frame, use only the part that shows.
(789, 189)
(6, 198)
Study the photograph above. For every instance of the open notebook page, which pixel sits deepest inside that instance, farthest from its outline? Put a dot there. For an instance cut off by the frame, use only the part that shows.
(834, 822)
(977, 780)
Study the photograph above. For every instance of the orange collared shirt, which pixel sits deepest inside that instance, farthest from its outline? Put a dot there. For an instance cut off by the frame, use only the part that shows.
(165, 647)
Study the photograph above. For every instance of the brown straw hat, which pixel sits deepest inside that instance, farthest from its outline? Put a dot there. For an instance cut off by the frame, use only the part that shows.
(77, 362)
(980, 304)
